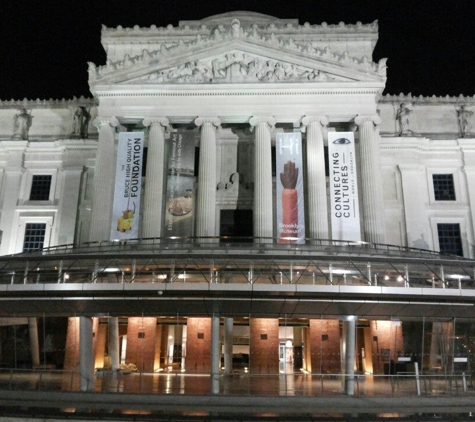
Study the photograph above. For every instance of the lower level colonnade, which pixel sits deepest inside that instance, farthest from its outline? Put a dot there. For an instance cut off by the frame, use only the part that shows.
(348, 348)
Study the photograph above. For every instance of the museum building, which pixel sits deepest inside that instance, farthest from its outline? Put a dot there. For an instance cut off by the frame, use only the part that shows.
(238, 195)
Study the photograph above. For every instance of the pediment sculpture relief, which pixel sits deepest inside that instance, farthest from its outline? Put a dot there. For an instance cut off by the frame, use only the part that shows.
(236, 67)
(224, 33)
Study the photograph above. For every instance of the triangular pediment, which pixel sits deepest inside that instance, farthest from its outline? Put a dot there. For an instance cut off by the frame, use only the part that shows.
(237, 59)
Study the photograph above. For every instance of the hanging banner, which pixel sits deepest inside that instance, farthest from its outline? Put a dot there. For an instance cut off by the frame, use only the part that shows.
(180, 182)
(128, 182)
(345, 215)
(290, 195)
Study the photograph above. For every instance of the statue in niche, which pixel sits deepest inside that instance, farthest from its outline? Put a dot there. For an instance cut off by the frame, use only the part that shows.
(464, 125)
(80, 123)
(420, 243)
(402, 117)
(21, 124)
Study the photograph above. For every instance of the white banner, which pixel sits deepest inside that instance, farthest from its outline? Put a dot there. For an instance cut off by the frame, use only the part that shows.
(128, 181)
(289, 181)
(345, 215)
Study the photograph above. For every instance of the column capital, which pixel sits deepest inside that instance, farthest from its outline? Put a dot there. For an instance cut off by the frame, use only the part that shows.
(200, 121)
(149, 121)
(256, 120)
(100, 121)
(373, 118)
(306, 120)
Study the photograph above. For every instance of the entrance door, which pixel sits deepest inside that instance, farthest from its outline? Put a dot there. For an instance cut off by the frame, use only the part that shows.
(237, 224)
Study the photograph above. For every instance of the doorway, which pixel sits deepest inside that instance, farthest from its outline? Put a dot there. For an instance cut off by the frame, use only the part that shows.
(236, 226)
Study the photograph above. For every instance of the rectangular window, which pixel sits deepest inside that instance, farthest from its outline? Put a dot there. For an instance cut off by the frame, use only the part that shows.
(34, 236)
(40, 187)
(444, 189)
(450, 239)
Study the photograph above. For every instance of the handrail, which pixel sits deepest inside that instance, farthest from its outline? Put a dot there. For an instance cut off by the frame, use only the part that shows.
(228, 242)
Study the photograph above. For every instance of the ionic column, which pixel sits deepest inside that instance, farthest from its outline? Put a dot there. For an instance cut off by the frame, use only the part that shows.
(372, 188)
(104, 175)
(206, 198)
(316, 179)
(153, 194)
(86, 354)
(263, 204)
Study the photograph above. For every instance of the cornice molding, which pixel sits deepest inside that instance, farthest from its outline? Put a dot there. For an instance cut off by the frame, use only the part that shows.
(262, 23)
(432, 100)
(51, 103)
(235, 92)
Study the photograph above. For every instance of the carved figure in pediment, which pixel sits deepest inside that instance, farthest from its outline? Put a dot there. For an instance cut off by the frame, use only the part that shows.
(402, 116)
(80, 123)
(463, 116)
(237, 31)
(237, 67)
(188, 72)
(21, 124)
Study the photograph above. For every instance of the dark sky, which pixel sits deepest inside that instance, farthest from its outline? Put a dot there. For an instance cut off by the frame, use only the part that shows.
(45, 45)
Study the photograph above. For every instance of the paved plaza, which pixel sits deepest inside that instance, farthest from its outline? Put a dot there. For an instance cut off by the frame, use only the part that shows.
(241, 395)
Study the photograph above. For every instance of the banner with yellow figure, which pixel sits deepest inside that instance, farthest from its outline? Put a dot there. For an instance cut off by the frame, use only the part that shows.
(128, 181)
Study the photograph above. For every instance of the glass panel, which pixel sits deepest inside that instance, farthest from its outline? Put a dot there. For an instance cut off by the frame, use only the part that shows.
(444, 187)
(40, 188)
(34, 236)
(450, 240)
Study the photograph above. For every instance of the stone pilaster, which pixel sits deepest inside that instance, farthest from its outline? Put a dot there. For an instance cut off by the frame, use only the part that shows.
(153, 194)
(67, 210)
(372, 189)
(263, 203)
(316, 180)
(417, 229)
(104, 175)
(11, 178)
(206, 198)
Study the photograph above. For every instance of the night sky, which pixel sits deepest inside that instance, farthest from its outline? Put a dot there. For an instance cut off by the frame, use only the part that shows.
(45, 45)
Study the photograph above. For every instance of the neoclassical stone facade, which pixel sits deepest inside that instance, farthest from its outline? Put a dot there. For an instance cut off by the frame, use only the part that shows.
(234, 81)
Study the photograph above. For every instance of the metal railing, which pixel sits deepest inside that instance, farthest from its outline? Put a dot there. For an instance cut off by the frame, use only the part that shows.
(236, 242)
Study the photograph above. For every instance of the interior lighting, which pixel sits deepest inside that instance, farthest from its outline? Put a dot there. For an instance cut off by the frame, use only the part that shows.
(400, 278)
(341, 271)
(111, 270)
(386, 277)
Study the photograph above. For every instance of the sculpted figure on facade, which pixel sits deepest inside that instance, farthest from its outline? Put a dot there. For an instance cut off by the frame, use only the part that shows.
(80, 123)
(402, 117)
(237, 67)
(21, 124)
(463, 116)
